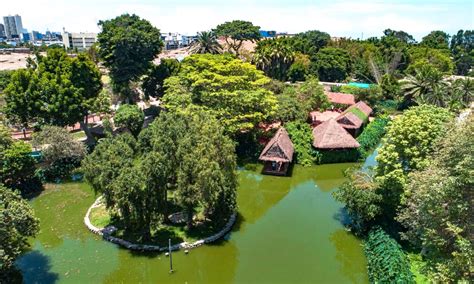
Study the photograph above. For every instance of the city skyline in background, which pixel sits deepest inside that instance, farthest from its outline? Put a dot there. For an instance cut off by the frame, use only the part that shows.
(356, 20)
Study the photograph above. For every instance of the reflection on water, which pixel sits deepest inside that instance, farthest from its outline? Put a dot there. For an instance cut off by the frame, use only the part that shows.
(289, 231)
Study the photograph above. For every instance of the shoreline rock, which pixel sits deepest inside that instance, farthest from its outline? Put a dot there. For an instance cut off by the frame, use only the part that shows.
(107, 232)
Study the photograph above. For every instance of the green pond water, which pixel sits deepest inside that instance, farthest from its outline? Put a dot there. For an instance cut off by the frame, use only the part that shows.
(289, 230)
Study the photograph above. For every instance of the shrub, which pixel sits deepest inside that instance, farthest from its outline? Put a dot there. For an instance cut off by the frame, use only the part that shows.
(337, 156)
(386, 261)
(386, 107)
(302, 138)
(371, 136)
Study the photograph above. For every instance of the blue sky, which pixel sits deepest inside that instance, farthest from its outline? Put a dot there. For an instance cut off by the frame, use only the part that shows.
(339, 18)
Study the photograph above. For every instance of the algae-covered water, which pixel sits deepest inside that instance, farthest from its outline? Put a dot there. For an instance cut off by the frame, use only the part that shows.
(289, 230)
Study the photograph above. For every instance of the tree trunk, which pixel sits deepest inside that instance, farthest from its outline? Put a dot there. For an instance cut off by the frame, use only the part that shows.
(85, 126)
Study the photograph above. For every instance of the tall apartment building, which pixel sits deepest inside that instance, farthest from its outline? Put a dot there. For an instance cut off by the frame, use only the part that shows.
(2, 31)
(13, 26)
(81, 41)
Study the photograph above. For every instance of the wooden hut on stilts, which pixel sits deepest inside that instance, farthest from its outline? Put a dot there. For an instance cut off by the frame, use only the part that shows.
(278, 154)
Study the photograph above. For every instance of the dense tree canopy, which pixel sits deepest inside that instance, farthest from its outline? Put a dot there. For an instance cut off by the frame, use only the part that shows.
(310, 42)
(274, 57)
(17, 224)
(186, 153)
(440, 206)
(153, 83)
(130, 117)
(409, 141)
(17, 166)
(439, 59)
(223, 85)
(236, 32)
(332, 64)
(58, 90)
(436, 39)
(127, 45)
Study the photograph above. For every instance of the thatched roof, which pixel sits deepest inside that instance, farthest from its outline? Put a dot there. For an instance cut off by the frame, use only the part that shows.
(279, 149)
(349, 118)
(323, 116)
(363, 107)
(331, 135)
(340, 98)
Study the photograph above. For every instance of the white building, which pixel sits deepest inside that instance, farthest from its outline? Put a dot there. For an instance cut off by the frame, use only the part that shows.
(13, 26)
(175, 40)
(81, 41)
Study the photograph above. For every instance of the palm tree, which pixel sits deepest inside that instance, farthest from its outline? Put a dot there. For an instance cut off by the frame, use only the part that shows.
(463, 91)
(425, 87)
(206, 42)
(274, 57)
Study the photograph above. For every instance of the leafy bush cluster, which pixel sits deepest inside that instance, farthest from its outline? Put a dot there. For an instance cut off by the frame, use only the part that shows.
(386, 261)
(337, 156)
(371, 94)
(371, 136)
(386, 107)
(302, 138)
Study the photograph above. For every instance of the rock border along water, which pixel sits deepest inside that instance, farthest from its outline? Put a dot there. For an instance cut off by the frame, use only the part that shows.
(106, 234)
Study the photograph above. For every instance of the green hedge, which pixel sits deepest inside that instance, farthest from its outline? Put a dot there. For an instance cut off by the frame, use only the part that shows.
(337, 156)
(371, 136)
(302, 137)
(386, 262)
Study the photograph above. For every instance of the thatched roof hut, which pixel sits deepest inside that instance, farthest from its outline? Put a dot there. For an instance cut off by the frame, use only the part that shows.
(278, 153)
(280, 148)
(330, 135)
(341, 98)
(317, 117)
(355, 117)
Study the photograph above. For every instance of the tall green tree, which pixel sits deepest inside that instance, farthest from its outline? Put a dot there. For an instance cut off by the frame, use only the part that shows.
(127, 45)
(440, 59)
(17, 167)
(310, 42)
(332, 64)
(436, 39)
(206, 42)
(426, 86)
(274, 57)
(153, 83)
(409, 141)
(462, 46)
(130, 117)
(236, 32)
(17, 224)
(58, 90)
(225, 86)
(439, 206)
(400, 35)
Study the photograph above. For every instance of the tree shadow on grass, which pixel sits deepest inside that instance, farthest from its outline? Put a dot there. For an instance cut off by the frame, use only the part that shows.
(36, 268)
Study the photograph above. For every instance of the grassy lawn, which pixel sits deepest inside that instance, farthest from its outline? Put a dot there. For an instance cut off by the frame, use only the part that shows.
(416, 263)
(176, 232)
(79, 134)
(100, 217)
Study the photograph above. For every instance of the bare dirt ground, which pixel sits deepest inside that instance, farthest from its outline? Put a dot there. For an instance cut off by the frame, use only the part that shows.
(13, 61)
